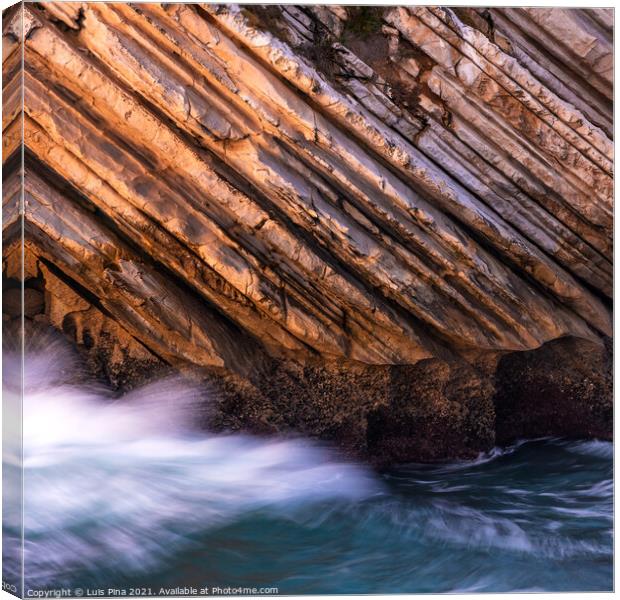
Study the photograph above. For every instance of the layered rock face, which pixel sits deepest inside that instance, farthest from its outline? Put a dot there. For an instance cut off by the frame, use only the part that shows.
(388, 227)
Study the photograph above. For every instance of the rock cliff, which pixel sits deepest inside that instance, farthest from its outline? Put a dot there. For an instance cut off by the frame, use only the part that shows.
(389, 227)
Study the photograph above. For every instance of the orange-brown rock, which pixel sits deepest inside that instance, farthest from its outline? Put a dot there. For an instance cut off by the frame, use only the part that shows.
(343, 218)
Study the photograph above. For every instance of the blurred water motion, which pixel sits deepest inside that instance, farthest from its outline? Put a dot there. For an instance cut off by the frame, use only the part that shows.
(123, 492)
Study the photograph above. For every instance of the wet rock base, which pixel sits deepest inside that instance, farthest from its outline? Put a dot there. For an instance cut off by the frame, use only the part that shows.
(430, 411)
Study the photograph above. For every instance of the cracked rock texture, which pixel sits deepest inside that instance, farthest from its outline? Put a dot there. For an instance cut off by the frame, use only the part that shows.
(386, 227)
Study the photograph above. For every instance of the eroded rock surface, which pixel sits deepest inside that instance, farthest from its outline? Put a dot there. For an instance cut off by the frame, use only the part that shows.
(390, 227)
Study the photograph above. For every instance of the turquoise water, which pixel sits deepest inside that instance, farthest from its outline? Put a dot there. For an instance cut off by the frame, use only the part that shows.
(537, 516)
(123, 493)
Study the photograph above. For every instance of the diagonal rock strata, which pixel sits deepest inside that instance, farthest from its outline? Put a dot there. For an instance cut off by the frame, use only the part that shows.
(296, 194)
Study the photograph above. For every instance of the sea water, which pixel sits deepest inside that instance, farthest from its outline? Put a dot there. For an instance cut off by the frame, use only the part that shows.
(124, 494)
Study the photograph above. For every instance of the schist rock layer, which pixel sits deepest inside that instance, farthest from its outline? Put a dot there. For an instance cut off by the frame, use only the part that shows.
(390, 228)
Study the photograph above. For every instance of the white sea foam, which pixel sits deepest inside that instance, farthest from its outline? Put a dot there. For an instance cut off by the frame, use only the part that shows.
(596, 448)
(125, 482)
(126, 485)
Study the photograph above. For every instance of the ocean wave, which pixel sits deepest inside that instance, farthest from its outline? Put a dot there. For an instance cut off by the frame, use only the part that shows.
(598, 448)
(124, 487)
(127, 481)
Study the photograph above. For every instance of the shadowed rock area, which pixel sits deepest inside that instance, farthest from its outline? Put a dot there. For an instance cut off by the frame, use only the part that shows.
(390, 228)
